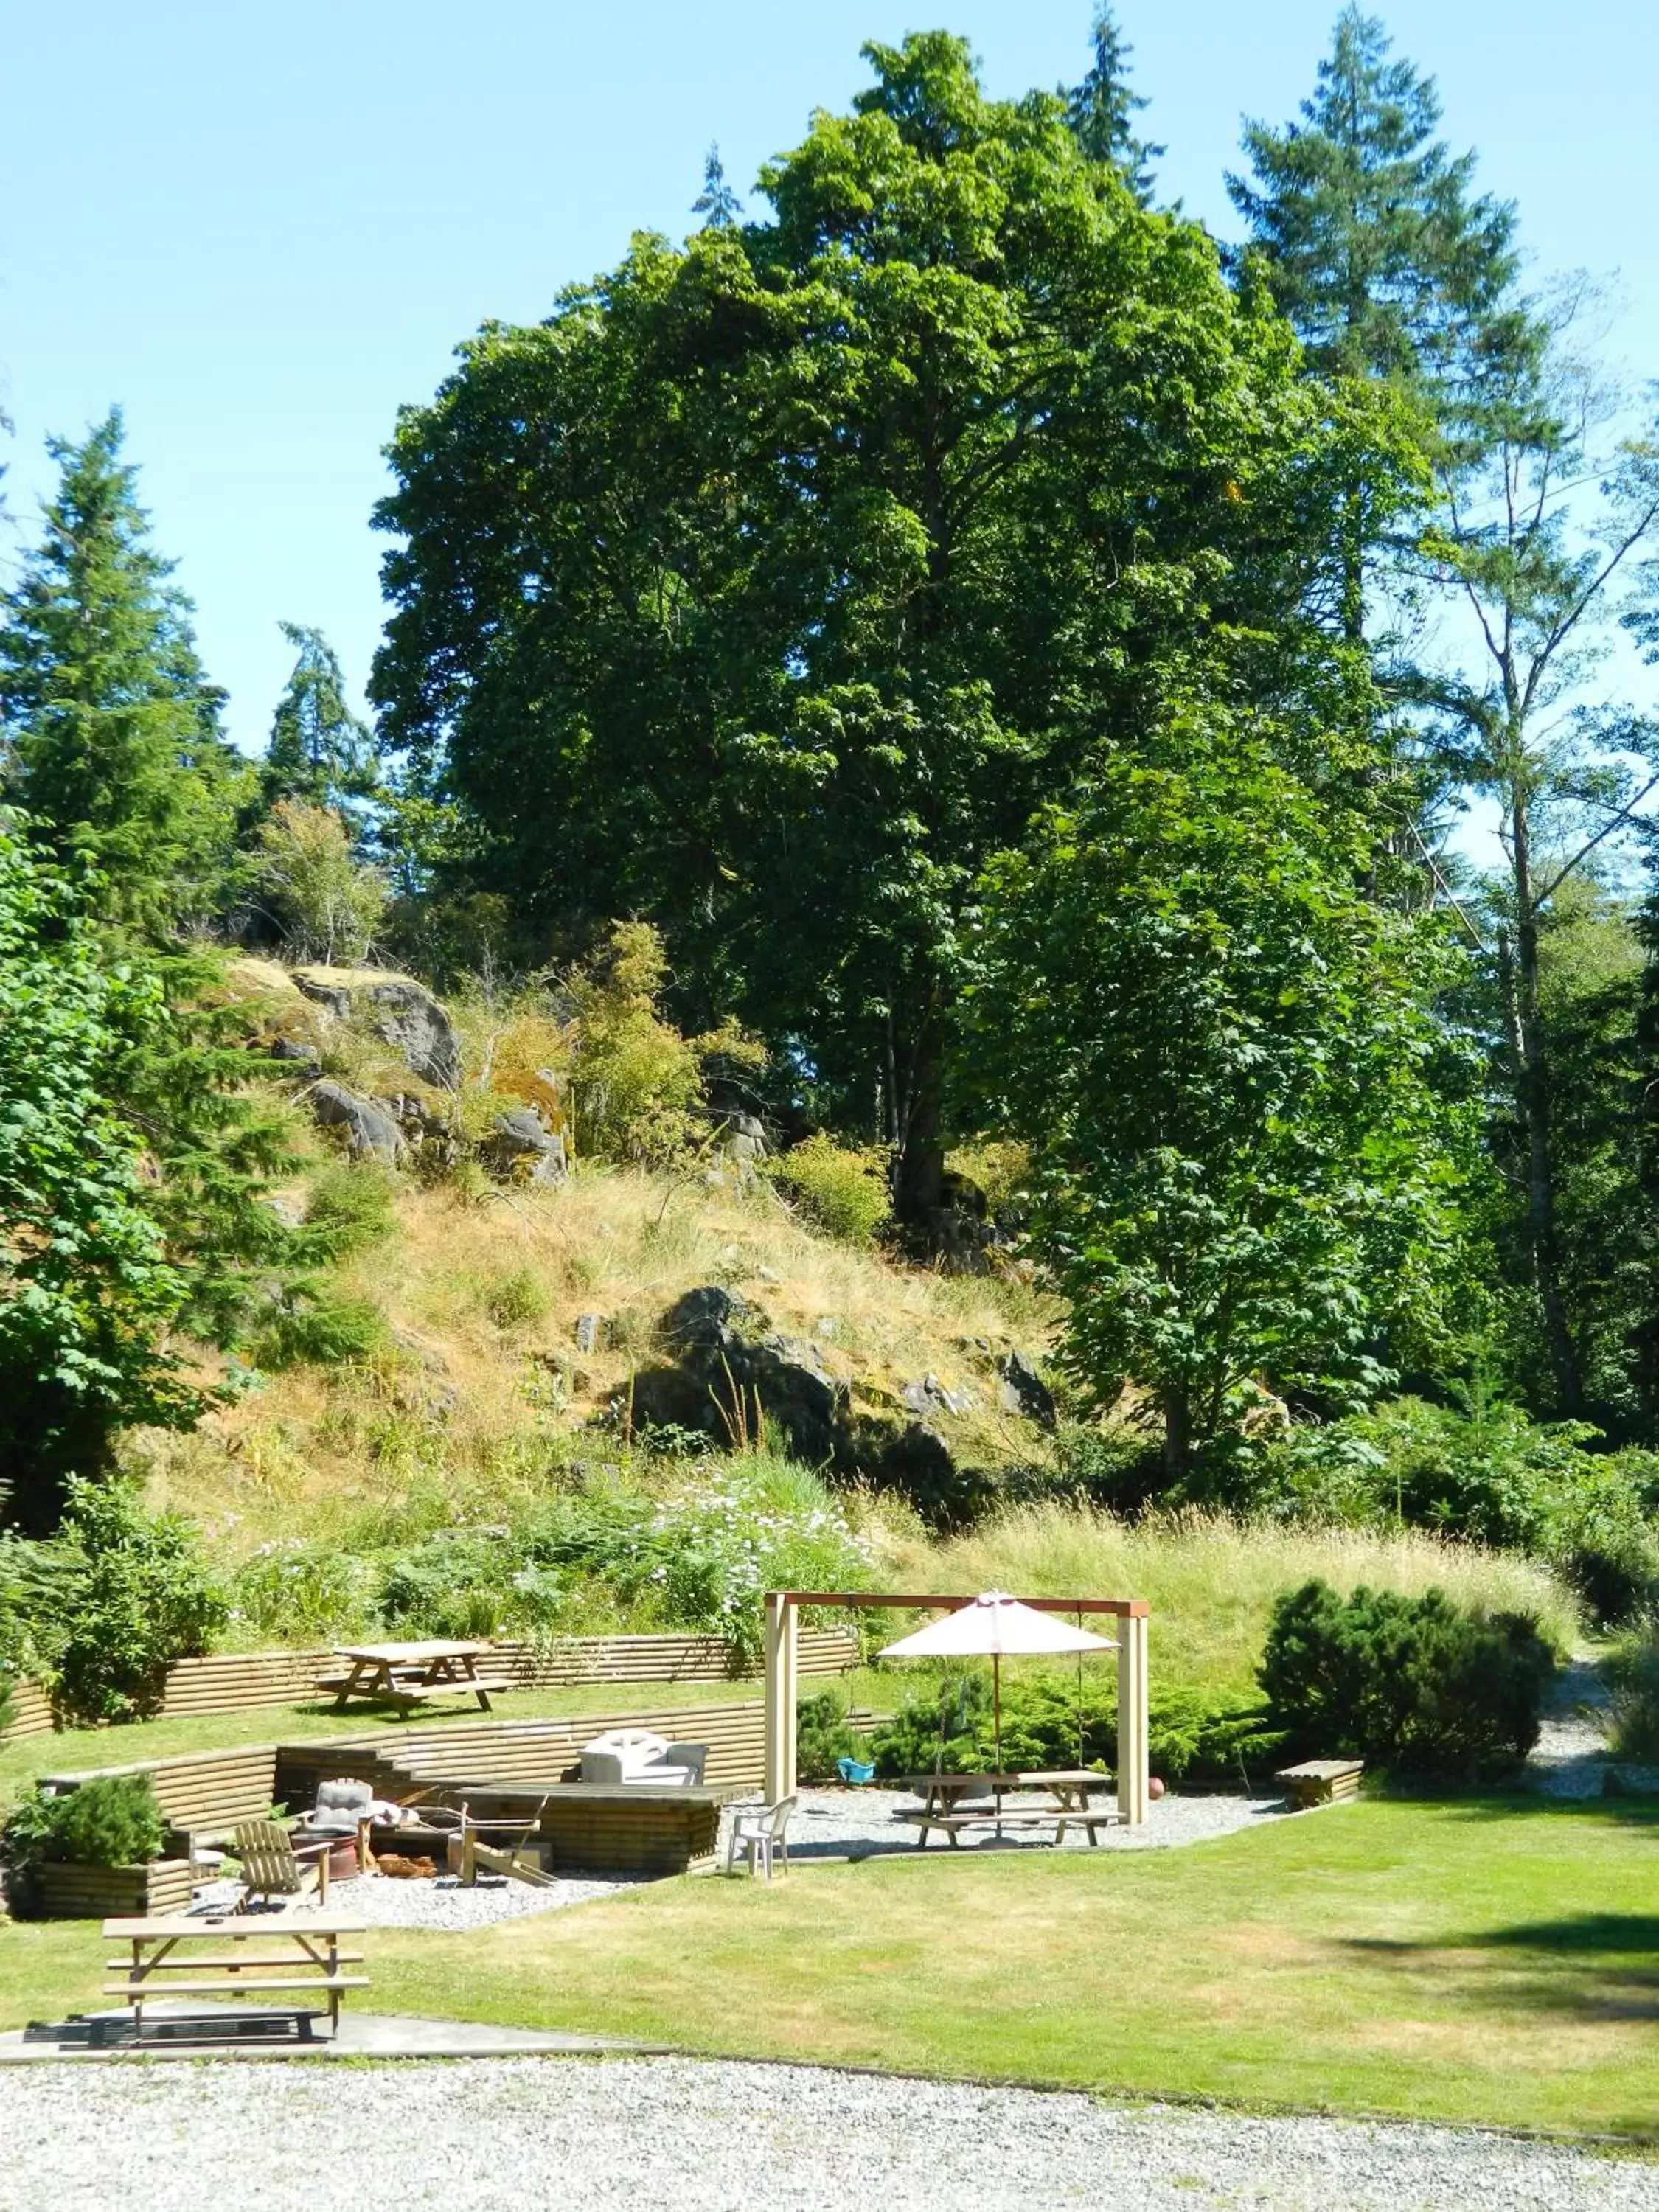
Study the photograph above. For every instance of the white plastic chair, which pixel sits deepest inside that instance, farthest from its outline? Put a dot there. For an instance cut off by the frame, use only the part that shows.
(760, 1834)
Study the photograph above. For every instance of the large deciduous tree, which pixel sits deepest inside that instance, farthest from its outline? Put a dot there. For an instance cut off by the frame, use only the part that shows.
(1224, 1054)
(766, 587)
(111, 730)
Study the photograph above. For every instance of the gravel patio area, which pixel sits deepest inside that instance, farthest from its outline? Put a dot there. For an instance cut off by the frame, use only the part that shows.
(690, 2137)
(861, 1824)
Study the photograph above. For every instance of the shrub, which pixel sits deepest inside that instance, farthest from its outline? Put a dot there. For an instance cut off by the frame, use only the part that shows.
(141, 1597)
(459, 1584)
(845, 1191)
(329, 908)
(635, 1079)
(823, 1736)
(1195, 1734)
(349, 1207)
(1632, 1676)
(515, 1297)
(1410, 1682)
(298, 1592)
(329, 1331)
(114, 1822)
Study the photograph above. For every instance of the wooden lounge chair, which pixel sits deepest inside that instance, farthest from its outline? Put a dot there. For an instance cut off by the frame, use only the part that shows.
(274, 1868)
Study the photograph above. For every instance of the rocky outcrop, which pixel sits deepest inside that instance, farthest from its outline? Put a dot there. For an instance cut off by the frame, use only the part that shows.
(521, 1145)
(371, 1134)
(401, 1012)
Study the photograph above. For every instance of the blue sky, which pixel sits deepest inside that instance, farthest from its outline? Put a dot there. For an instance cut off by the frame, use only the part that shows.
(261, 230)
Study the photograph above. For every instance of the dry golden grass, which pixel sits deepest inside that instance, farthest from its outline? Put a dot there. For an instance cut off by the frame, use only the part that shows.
(1212, 1582)
(485, 1406)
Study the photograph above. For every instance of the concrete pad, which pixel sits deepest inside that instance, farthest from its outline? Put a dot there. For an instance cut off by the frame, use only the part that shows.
(361, 2035)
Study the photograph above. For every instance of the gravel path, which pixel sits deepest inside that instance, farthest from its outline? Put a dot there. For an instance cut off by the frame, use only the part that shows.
(381, 1901)
(1572, 1758)
(859, 1823)
(678, 2136)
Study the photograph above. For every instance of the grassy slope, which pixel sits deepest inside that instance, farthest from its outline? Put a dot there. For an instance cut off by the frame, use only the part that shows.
(1415, 1960)
(461, 1404)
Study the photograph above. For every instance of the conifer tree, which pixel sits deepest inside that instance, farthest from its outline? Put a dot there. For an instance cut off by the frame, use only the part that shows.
(717, 203)
(1374, 243)
(110, 728)
(319, 752)
(1102, 110)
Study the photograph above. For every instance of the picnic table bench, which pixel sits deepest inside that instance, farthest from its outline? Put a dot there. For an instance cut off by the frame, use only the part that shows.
(409, 1674)
(264, 1955)
(945, 1802)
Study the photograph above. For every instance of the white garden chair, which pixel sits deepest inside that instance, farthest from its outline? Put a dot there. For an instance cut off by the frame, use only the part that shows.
(760, 1834)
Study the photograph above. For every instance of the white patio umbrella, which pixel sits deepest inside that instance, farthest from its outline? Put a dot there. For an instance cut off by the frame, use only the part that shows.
(988, 1627)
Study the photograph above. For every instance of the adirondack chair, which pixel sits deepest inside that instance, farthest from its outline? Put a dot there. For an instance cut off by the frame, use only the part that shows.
(273, 1867)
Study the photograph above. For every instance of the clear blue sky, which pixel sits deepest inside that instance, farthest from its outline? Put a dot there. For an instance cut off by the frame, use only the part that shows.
(261, 229)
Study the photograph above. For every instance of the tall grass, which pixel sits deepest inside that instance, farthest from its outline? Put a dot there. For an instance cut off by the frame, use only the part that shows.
(1212, 1582)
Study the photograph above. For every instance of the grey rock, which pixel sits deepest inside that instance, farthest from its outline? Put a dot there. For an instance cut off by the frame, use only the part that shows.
(706, 1320)
(288, 1211)
(303, 1059)
(401, 1013)
(522, 1144)
(371, 1134)
(1024, 1390)
(930, 1396)
(588, 1329)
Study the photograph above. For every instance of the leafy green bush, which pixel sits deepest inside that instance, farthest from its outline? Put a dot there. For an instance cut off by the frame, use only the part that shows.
(1410, 1682)
(114, 1822)
(468, 1582)
(297, 1592)
(823, 1736)
(140, 1595)
(845, 1191)
(1195, 1735)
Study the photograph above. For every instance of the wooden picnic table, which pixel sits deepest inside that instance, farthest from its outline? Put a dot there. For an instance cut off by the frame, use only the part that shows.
(944, 1802)
(409, 1674)
(273, 1951)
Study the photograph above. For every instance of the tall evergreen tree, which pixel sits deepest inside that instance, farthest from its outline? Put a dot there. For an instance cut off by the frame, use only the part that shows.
(1374, 244)
(319, 752)
(110, 729)
(717, 203)
(1102, 110)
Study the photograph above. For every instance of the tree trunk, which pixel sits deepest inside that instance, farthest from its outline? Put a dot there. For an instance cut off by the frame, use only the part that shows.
(1177, 1434)
(919, 1168)
(1529, 1056)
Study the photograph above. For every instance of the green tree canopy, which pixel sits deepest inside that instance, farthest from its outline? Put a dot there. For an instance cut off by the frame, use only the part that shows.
(766, 587)
(110, 729)
(1224, 1054)
(87, 1289)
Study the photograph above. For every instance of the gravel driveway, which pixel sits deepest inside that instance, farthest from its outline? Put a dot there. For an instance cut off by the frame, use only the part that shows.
(678, 2136)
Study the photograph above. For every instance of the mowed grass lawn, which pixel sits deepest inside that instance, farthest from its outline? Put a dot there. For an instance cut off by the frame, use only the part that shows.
(1481, 1960)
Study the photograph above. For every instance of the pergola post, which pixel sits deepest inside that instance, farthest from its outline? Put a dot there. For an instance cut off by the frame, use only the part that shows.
(1133, 1718)
(782, 1684)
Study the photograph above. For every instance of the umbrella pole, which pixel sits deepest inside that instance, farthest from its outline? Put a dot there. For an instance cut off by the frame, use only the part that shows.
(996, 1713)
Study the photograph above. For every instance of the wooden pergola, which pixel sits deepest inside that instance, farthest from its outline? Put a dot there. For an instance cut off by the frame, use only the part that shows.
(782, 1677)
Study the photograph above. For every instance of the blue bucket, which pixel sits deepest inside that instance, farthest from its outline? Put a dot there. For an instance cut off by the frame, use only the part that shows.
(854, 1771)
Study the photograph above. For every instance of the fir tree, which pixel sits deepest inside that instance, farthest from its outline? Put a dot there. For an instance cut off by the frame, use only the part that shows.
(319, 752)
(110, 728)
(717, 203)
(1373, 244)
(1102, 110)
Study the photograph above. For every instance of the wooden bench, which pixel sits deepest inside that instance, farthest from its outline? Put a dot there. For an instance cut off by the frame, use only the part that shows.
(407, 1690)
(305, 1954)
(1320, 1781)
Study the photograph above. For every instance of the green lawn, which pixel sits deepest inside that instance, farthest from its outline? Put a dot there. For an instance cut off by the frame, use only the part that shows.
(1493, 1960)
(75, 1749)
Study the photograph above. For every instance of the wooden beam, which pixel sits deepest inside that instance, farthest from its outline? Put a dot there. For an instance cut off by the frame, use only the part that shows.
(1126, 1608)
